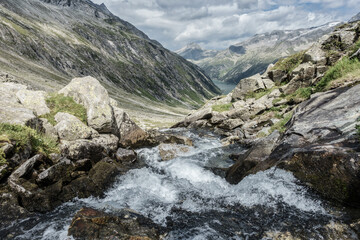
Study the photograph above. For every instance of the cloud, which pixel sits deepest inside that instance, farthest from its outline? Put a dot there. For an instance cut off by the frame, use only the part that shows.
(220, 23)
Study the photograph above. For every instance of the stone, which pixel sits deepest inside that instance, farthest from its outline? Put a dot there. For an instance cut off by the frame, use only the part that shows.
(198, 115)
(231, 124)
(278, 76)
(315, 55)
(11, 111)
(92, 224)
(54, 173)
(109, 142)
(129, 133)
(217, 118)
(171, 151)
(70, 128)
(125, 155)
(89, 92)
(246, 86)
(34, 100)
(255, 155)
(82, 149)
(11, 87)
(48, 129)
(25, 169)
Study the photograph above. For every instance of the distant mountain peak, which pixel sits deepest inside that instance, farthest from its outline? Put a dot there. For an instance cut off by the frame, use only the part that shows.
(355, 18)
(193, 51)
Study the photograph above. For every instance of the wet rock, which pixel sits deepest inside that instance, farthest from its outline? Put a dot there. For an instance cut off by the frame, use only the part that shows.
(70, 128)
(320, 146)
(126, 224)
(26, 168)
(125, 155)
(54, 173)
(89, 92)
(34, 100)
(171, 151)
(255, 155)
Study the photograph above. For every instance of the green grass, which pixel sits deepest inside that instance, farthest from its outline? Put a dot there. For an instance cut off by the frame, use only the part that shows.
(25, 136)
(280, 126)
(340, 69)
(258, 94)
(301, 94)
(221, 107)
(290, 63)
(60, 103)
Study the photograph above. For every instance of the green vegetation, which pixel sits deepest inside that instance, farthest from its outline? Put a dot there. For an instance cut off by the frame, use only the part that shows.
(25, 136)
(221, 107)
(290, 63)
(300, 95)
(340, 69)
(280, 126)
(60, 103)
(259, 93)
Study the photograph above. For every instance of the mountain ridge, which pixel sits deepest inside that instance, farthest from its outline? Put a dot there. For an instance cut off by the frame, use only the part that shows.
(46, 43)
(253, 55)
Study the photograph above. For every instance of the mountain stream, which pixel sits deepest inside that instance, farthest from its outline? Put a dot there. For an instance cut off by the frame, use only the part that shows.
(185, 196)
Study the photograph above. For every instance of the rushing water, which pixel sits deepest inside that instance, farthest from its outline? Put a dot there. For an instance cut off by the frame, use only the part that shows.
(185, 196)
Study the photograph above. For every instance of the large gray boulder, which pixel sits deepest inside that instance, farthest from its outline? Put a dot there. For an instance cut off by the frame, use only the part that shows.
(70, 128)
(249, 85)
(11, 111)
(34, 100)
(89, 92)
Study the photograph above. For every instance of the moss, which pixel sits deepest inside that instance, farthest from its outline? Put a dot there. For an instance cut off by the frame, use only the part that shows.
(60, 103)
(25, 136)
(221, 107)
(290, 63)
(2, 157)
(340, 69)
(280, 126)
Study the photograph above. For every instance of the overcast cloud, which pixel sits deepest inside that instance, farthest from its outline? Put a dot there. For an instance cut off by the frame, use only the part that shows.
(216, 24)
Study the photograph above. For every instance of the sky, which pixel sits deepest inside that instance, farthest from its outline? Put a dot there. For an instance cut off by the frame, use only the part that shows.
(217, 24)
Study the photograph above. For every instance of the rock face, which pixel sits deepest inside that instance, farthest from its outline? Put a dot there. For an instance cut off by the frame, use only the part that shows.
(120, 56)
(320, 146)
(232, 65)
(249, 85)
(92, 224)
(89, 92)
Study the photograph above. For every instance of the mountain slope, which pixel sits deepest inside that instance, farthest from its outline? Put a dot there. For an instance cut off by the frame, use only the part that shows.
(49, 42)
(255, 54)
(194, 51)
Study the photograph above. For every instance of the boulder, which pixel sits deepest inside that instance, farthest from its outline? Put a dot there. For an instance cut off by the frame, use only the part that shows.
(124, 125)
(255, 155)
(89, 92)
(11, 111)
(82, 149)
(198, 115)
(125, 155)
(109, 142)
(248, 85)
(34, 100)
(48, 129)
(231, 124)
(316, 55)
(54, 173)
(70, 128)
(321, 147)
(171, 151)
(11, 87)
(278, 76)
(92, 224)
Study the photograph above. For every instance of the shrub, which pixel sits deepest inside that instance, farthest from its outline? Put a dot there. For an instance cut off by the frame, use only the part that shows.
(25, 136)
(340, 69)
(60, 103)
(221, 107)
(290, 63)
